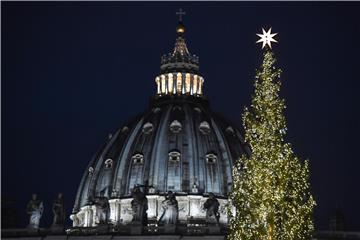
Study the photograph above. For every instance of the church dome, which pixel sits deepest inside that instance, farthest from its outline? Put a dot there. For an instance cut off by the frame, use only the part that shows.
(178, 144)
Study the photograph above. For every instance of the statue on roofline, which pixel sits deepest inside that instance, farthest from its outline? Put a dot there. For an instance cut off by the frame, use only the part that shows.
(35, 209)
(171, 210)
(139, 206)
(212, 208)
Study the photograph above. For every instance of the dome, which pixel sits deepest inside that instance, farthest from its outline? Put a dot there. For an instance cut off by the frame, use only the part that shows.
(140, 153)
(178, 144)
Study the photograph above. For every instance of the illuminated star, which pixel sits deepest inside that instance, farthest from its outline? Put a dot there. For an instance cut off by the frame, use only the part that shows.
(266, 38)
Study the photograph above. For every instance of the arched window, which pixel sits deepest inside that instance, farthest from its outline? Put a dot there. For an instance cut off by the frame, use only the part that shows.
(178, 83)
(195, 85)
(187, 83)
(108, 163)
(204, 127)
(147, 128)
(211, 158)
(156, 110)
(163, 84)
(136, 170)
(170, 83)
(175, 126)
(174, 171)
(138, 158)
(229, 130)
(157, 80)
(212, 173)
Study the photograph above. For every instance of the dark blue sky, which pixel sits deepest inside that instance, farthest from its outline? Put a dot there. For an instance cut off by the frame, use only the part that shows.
(74, 72)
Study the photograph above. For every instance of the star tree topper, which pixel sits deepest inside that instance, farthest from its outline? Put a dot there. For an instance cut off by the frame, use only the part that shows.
(266, 38)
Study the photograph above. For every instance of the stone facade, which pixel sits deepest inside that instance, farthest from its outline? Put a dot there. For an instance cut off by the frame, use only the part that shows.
(190, 209)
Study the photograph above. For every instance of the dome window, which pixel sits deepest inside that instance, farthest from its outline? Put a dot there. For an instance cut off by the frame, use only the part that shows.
(147, 128)
(156, 110)
(91, 171)
(229, 130)
(198, 110)
(211, 158)
(108, 163)
(124, 129)
(204, 127)
(138, 159)
(175, 126)
(174, 156)
(176, 108)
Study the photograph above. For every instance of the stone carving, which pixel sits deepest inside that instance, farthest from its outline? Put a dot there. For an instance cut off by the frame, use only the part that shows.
(211, 206)
(171, 210)
(35, 209)
(139, 206)
(194, 188)
(58, 209)
(102, 208)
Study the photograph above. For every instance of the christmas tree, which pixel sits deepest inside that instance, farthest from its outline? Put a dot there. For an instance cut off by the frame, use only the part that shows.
(271, 192)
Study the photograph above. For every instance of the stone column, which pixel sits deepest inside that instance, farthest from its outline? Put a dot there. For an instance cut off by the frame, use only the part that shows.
(115, 207)
(88, 216)
(152, 206)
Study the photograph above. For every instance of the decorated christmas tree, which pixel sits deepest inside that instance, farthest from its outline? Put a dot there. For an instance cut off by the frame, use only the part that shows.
(271, 192)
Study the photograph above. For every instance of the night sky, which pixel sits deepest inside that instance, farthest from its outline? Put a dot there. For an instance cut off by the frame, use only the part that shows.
(74, 72)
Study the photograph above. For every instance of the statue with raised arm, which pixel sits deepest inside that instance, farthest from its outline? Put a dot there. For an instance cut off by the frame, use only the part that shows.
(212, 208)
(171, 210)
(139, 206)
(58, 210)
(35, 209)
(102, 208)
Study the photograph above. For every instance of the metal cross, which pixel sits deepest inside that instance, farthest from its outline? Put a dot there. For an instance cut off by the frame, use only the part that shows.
(180, 13)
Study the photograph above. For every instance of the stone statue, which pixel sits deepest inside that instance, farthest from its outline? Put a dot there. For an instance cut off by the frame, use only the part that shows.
(171, 210)
(59, 212)
(212, 208)
(102, 208)
(35, 209)
(139, 206)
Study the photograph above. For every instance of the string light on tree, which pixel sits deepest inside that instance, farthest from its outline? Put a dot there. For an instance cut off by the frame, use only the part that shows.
(271, 189)
(266, 38)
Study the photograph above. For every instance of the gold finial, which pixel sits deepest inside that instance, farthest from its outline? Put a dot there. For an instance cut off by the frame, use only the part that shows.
(180, 28)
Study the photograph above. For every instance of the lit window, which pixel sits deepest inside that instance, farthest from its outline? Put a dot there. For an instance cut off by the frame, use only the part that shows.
(170, 83)
(178, 83)
(187, 83)
(200, 86)
(175, 126)
(195, 85)
(147, 128)
(138, 159)
(204, 127)
(163, 85)
(91, 170)
(157, 80)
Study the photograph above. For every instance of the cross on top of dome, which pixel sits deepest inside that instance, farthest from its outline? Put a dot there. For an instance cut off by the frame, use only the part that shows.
(180, 13)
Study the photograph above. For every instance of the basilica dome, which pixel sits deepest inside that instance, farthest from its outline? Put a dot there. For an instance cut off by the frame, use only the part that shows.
(178, 144)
